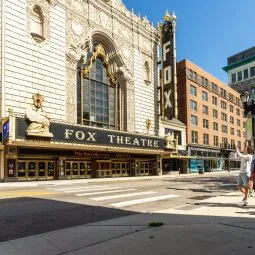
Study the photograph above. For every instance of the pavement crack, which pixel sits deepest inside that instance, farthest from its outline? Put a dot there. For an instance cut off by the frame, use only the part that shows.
(235, 226)
(104, 241)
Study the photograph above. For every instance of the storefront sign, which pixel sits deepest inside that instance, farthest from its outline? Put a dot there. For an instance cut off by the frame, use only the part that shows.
(93, 136)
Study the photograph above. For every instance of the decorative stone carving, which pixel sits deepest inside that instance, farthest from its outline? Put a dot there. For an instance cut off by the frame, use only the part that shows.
(77, 28)
(78, 51)
(170, 141)
(104, 19)
(39, 121)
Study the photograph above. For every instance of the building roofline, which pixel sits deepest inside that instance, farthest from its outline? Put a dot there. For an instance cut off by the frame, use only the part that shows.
(239, 63)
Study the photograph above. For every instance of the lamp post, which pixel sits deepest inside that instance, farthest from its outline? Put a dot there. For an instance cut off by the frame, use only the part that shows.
(245, 97)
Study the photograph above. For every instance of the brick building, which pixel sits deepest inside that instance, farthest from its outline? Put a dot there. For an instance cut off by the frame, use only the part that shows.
(213, 114)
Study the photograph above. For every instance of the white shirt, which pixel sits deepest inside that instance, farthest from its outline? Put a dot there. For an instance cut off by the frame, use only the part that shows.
(246, 161)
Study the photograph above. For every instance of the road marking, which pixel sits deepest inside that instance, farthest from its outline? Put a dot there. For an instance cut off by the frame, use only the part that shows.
(104, 192)
(123, 195)
(95, 189)
(77, 188)
(143, 200)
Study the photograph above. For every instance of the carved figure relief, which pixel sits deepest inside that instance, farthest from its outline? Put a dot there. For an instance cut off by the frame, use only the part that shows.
(77, 28)
(39, 120)
(170, 141)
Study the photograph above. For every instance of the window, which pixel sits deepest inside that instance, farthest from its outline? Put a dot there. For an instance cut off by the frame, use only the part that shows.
(224, 129)
(215, 126)
(215, 113)
(232, 131)
(193, 90)
(194, 120)
(205, 109)
(214, 100)
(205, 123)
(204, 96)
(215, 140)
(194, 136)
(223, 105)
(224, 141)
(233, 77)
(231, 97)
(223, 116)
(237, 112)
(238, 133)
(252, 71)
(231, 108)
(223, 92)
(98, 103)
(193, 105)
(231, 119)
(195, 76)
(239, 76)
(206, 139)
(214, 88)
(232, 142)
(245, 73)
(239, 144)
(244, 125)
(238, 123)
(36, 24)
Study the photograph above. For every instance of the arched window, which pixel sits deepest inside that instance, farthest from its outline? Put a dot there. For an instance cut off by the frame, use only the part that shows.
(98, 96)
(36, 24)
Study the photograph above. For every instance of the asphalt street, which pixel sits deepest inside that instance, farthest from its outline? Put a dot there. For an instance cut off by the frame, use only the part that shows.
(26, 211)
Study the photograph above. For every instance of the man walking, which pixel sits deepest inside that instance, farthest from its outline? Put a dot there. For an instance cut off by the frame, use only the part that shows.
(245, 172)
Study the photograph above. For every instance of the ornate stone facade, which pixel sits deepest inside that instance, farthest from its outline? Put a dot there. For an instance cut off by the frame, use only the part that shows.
(120, 32)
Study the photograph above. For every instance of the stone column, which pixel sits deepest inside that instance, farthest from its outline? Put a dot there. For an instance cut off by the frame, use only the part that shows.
(130, 110)
(71, 85)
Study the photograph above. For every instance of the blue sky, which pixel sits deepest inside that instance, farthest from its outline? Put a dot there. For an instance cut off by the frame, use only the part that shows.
(208, 31)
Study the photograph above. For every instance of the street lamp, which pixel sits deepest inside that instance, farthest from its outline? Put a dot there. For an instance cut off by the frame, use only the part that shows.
(245, 96)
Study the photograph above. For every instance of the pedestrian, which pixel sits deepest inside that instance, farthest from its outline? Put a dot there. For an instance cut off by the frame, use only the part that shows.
(252, 177)
(245, 172)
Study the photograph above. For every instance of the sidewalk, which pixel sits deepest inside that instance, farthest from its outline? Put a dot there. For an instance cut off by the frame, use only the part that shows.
(108, 179)
(218, 225)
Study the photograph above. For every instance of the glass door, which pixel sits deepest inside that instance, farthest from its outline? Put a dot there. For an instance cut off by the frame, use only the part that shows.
(41, 170)
(82, 170)
(22, 170)
(32, 170)
(88, 169)
(51, 170)
(68, 170)
(75, 170)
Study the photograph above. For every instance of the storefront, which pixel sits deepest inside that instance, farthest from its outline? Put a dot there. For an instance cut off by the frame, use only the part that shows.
(205, 160)
(75, 151)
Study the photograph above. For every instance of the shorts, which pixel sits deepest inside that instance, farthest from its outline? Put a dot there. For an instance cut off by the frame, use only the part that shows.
(243, 179)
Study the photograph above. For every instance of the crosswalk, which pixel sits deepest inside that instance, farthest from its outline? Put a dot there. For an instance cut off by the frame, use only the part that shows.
(115, 196)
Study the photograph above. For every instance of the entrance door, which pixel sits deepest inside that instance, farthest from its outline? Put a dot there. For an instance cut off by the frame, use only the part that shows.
(22, 171)
(42, 170)
(75, 170)
(103, 169)
(82, 170)
(51, 170)
(32, 170)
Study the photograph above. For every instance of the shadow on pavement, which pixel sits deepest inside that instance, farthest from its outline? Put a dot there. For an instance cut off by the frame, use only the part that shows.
(25, 216)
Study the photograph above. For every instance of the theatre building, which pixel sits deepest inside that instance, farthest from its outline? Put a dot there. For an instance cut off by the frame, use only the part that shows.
(80, 91)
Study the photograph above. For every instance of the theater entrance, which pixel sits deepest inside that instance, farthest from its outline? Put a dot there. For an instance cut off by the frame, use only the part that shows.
(33, 170)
